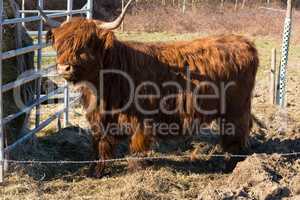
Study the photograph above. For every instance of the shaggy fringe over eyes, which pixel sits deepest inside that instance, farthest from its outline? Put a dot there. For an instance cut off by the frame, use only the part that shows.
(76, 36)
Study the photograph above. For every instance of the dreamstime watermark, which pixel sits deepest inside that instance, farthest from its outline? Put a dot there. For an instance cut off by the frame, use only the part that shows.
(144, 91)
(139, 92)
(139, 95)
(152, 128)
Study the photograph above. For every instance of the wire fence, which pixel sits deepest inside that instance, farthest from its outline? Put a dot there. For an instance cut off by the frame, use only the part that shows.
(226, 156)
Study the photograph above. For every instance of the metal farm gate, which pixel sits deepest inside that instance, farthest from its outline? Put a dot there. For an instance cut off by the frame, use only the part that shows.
(37, 75)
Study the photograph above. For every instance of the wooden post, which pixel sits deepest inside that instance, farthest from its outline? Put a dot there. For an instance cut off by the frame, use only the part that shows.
(222, 4)
(193, 5)
(184, 6)
(236, 5)
(272, 77)
(243, 4)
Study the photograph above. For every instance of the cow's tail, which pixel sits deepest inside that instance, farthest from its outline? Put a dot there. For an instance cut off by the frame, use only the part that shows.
(258, 122)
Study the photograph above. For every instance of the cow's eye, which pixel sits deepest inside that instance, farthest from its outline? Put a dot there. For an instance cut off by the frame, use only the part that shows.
(83, 56)
(59, 53)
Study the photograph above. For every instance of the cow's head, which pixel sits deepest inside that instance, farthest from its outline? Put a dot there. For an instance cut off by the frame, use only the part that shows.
(81, 45)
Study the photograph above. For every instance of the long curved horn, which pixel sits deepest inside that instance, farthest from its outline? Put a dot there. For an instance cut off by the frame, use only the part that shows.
(115, 24)
(47, 20)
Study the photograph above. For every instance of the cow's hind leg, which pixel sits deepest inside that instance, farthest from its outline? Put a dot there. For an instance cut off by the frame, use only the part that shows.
(235, 131)
(139, 145)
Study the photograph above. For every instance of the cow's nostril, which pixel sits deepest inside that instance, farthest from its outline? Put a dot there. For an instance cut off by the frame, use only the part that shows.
(68, 69)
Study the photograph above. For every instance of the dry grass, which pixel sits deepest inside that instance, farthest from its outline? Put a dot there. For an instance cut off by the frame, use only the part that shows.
(174, 178)
(145, 184)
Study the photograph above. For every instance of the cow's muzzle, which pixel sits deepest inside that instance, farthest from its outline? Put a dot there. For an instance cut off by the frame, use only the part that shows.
(65, 71)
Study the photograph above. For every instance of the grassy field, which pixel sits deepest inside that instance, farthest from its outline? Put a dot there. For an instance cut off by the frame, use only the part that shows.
(179, 178)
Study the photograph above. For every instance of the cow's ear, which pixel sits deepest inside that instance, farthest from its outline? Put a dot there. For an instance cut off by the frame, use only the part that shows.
(50, 37)
(107, 38)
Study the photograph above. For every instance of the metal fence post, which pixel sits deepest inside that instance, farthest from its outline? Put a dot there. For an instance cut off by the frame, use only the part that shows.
(69, 9)
(122, 25)
(1, 103)
(23, 13)
(66, 90)
(38, 67)
(280, 99)
(89, 13)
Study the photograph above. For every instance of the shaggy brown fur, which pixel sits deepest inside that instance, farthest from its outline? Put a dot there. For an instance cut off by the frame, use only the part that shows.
(218, 59)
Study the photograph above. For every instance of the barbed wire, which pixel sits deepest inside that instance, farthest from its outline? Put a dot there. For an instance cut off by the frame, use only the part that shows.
(227, 155)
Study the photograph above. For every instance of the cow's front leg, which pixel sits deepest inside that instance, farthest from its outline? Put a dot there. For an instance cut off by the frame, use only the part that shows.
(139, 146)
(106, 151)
(96, 156)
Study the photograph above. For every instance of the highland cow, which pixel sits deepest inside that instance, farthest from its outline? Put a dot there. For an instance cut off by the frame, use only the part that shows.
(176, 83)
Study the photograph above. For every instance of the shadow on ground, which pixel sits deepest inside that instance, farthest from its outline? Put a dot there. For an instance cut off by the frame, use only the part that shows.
(75, 144)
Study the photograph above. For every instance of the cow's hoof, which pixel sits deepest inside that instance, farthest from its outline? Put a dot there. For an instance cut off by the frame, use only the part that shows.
(96, 170)
(134, 165)
(91, 170)
(98, 174)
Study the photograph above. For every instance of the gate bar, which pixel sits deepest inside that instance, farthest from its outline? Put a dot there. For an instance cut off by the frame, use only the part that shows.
(23, 15)
(69, 9)
(31, 77)
(34, 131)
(89, 13)
(21, 51)
(1, 105)
(36, 18)
(66, 90)
(45, 11)
(38, 67)
(28, 108)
